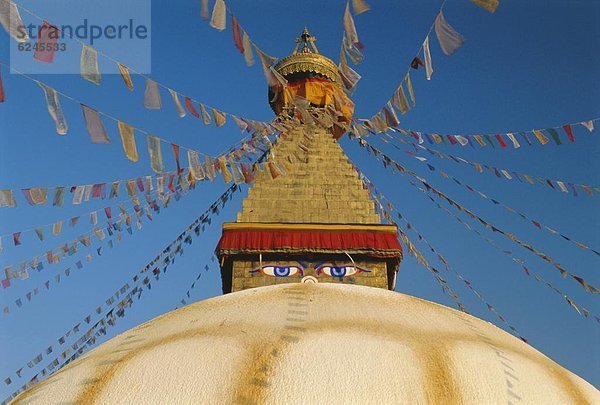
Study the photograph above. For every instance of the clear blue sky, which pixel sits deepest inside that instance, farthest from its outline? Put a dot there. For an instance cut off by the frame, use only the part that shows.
(530, 65)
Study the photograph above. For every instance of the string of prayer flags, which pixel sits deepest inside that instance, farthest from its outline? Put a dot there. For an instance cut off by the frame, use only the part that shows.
(125, 75)
(126, 293)
(94, 125)
(89, 65)
(449, 39)
(501, 139)
(155, 152)
(54, 109)
(128, 141)
(378, 197)
(152, 100)
(389, 162)
(427, 56)
(494, 201)
(12, 22)
(46, 43)
(218, 19)
(489, 5)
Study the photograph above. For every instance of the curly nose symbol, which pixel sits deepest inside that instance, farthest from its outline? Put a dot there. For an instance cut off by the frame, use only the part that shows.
(309, 279)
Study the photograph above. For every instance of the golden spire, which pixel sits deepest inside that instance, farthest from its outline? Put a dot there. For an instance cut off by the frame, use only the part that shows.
(307, 42)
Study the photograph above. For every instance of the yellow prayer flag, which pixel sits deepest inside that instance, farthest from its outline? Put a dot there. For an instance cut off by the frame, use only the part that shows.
(437, 138)
(128, 141)
(479, 140)
(219, 118)
(540, 136)
(409, 86)
(205, 115)
(125, 75)
(489, 5)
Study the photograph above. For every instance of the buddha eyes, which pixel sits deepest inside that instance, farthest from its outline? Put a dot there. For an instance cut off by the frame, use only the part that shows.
(327, 270)
(340, 271)
(279, 271)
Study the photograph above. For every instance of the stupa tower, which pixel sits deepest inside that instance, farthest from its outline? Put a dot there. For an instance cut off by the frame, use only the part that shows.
(316, 222)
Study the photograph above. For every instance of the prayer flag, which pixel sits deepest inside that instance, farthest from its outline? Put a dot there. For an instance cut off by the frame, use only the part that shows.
(409, 86)
(46, 43)
(248, 54)
(205, 115)
(78, 194)
(36, 196)
(175, 149)
(7, 199)
(204, 9)
(349, 27)
(40, 233)
(124, 70)
(462, 140)
(241, 124)
(155, 152)
(190, 106)
(57, 228)
(569, 131)
(89, 65)
(219, 118)
(554, 135)
(516, 143)
(449, 39)
(55, 109)
(489, 5)
(400, 100)
(2, 97)
(16, 237)
(589, 125)
(194, 165)
(540, 137)
(209, 168)
(360, 6)
(218, 19)
(152, 99)
(59, 196)
(94, 125)
(223, 169)
(11, 21)
(128, 141)
(500, 140)
(237, 37)
(180, 110)
(427, 56)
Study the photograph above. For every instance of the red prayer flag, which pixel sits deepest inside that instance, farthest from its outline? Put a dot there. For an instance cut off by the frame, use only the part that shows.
(501, 141)
(452, 140)
(46, 43)
(569, 132)
(176, 153)
(16, 237)
(190, 106)
(108, 213)
(237, 37)
(1, 90)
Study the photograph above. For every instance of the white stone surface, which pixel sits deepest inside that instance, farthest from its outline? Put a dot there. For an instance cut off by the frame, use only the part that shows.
(314, 344)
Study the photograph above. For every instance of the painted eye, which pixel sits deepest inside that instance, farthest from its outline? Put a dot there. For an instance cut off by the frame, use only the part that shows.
(279, 271)
(340, 271)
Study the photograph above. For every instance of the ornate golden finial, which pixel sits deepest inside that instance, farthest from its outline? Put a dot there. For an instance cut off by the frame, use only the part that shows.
(307, 42)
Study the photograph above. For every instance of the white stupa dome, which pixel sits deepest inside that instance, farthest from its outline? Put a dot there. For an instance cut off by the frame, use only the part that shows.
(314, 344)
